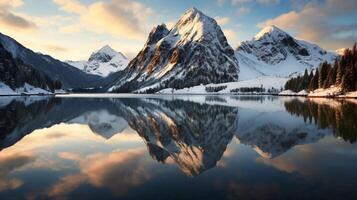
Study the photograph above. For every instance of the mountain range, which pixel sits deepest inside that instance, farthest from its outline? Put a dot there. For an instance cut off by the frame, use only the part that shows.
(194, 52)
(55, 70)
(273, 52)
(102, 62)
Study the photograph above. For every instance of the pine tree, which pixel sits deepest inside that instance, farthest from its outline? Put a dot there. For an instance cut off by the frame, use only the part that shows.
(305, 83)
(354, 52)
(331, 77)
(314, 83)
(327, 79)
(322, 75)
(338, 75)
(348, 80)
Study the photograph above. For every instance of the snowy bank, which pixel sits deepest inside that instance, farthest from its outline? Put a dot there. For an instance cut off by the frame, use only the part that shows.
(351, 94)
(328, 92)
(291, 93)
(322, 92)
(27, 89)
(266, 83)
(287, 93)
(6, 90)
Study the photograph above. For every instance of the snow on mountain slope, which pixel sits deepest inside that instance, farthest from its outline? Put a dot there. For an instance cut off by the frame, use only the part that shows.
(26, 89)
(6, 90)
(102, 122)
(194, 51)
(102, 62)
(31, 90)
(267, 82)
(55, 70)
(17, 77)
(273, 52)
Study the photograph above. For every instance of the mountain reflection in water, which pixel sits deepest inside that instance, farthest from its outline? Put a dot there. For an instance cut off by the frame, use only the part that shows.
(92, 145)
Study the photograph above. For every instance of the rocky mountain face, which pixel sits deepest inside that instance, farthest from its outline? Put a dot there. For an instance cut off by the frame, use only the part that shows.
(15, 74)
(193, 133)
(195, 136)
(274, 52)
(102, 62)
(70, 76)
(195, 51)
(195, 140)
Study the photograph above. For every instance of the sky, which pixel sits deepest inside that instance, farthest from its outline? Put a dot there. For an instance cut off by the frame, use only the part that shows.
(73, 29)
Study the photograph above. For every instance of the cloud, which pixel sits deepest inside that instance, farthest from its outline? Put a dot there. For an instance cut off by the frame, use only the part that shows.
(313, 23)
(117, 17)
(222, 20)
(243, 11)
(240, 2)
(11, 20)
(268, 1)
(220, 2)
(73, 6)
(55, 48)
(235, 2)
(11, 3)
(231, 36)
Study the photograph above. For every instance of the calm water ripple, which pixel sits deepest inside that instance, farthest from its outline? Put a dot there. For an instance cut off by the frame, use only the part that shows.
(178, 147)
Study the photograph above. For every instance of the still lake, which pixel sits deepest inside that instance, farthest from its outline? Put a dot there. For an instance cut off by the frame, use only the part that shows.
(177, 147)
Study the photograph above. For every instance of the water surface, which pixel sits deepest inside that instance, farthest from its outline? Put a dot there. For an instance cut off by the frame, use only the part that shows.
(177, 147)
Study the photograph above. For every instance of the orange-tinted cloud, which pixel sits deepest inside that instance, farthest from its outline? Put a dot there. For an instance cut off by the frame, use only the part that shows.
(222, 20)
(313, 23)
(116, 17)
(73, 6)
(11, 20)
(231, 36)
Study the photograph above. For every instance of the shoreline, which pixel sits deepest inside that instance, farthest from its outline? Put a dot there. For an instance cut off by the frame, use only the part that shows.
(173, 94)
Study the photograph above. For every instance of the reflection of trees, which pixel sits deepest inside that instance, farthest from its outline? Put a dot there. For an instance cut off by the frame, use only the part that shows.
(17, 114)
(194, 135)
(340, 118)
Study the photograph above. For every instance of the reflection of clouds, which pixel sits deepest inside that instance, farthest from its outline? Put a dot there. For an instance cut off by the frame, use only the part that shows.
(302, 159)
(285, 165)
(66, 185)
(58, 135)
(69, 156)
(9, 163)
(56, 147)
(118, 171)
(228, 153)
(314, 159)
(252, 191)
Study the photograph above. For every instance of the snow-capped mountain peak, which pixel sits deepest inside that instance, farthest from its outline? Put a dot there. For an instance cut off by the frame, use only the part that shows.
(271, 31)
(193, 25)
(273, 52)
(102, 62)
(195, 51)
(105, 54)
